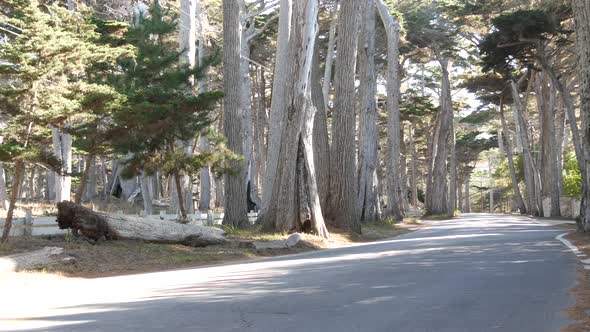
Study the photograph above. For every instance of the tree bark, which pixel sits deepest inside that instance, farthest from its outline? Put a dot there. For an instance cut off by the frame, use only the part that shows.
(453, 174)
(62, 148)
(3, 193)
(510, 154)
(236, 209)
(581, 9)
(530, 170)
(84, 180)
(367, 190)
(467, 195)
(330, 57)
(321, 141)
(205, 176)
(278, 101)
(392, 30)
(148, 208)
(438, 198)
(414, 169)
(295, 204)
(342, 155)
(19, 168)
(97, 226)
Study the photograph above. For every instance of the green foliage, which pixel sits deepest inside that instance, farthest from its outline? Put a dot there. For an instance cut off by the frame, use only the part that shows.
(46, 61)
(572, 178)
(515, 36)
(159, 108)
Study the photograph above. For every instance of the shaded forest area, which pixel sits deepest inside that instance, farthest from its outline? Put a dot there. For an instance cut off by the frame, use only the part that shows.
(316, 114)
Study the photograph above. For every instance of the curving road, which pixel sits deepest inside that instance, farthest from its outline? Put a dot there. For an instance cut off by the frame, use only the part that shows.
(476, 273)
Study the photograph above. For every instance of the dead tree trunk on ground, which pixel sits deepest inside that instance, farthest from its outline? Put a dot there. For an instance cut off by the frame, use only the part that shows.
(96, 226)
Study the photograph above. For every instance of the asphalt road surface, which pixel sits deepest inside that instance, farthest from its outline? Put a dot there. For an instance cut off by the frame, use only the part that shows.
(477, 273)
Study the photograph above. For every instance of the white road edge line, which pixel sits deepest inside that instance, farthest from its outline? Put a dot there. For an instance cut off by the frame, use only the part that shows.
(572, 247)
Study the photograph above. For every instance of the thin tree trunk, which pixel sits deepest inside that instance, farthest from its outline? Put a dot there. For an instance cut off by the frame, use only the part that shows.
(342, 155)
(414, 168)
(510, 155)
(205, 174)
(467, 195)
(62, 148)
(236, 209)
(530, 171)
(453, 173)
(330, 56)
(19, 168)
(3, 194)
(148, 208)
(84, 180)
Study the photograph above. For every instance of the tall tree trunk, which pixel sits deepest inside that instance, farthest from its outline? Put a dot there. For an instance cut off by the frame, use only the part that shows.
(467, 195)
(145, 194)
(3, 194)
(414, 169)
(278, 101)
(530, 170)
(392, 30)
(81, 190)
(342, 155)
(581, 9)
(403, 169)
(236, 209)
(582, 151)
(321, 143)
(490, 172)
(62, 148)
(91, 182)
(187, 43)
(439, 191)
(205, 176)
(453, 173)
(330, 56)
(510, 155)
(261, 124)
(295, 204)
(368, 133)
(19, 168)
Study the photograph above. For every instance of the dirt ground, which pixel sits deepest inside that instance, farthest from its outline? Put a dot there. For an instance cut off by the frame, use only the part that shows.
(112, 258)
(580, 311)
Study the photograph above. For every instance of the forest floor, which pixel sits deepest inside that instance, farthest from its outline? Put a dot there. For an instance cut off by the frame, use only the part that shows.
(110, 258)
(580, 311)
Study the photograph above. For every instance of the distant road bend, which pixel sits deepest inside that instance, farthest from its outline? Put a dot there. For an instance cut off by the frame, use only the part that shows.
(476, 273)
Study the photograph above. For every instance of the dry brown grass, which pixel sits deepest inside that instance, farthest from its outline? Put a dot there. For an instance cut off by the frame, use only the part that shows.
(580, 311)
(127, 257)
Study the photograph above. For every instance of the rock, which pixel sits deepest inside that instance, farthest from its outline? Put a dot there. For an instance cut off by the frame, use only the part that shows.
(292, 241)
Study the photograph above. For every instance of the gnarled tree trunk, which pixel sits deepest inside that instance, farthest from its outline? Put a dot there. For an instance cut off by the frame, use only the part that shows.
(295, 204)
(392, 29)
(96, 226)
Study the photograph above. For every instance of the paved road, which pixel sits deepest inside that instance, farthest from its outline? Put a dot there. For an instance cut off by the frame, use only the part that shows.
(478, 273)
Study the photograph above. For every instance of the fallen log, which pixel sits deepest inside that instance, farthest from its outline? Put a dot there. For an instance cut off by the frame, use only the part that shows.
(98, 225)
(33, 259)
